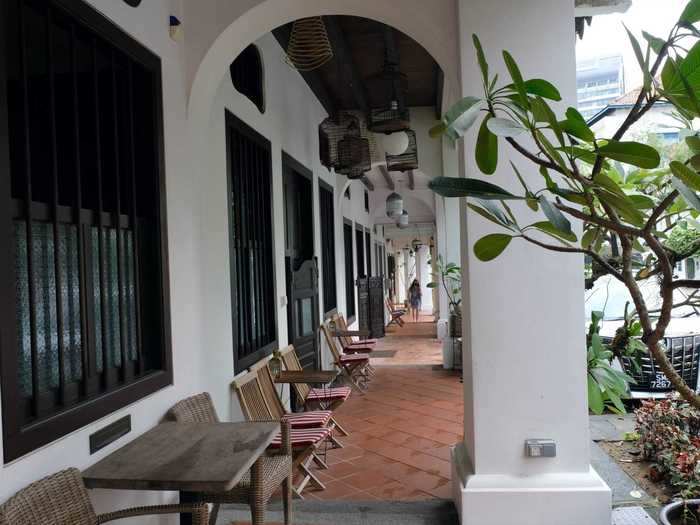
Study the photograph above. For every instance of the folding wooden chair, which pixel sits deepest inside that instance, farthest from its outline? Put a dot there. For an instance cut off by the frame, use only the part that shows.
(395, 314)
(345, 338)
(309, 397)
(353, 367)
(277, 464)
(305, 441)
(308, 419)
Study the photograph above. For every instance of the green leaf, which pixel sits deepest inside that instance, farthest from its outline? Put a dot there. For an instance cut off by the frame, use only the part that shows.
(655, 43)
(548, 228)
(559, 222)
(688, 67)
(498, 219)
(551, 150)
(542, 88)
(640, 57)
(489, 247)
(623, 205)
(462, 115)
(481, 58)
(689, 177)
(541, 108)
(633, 153)
(588, 238)
(461, 187)
(595, 398)
(693, 142)
(437, 130)
(688, 195)
(502, 127)
(691, 13)
(576, 126)
(517, 77)
(642, 202)
(486, 148)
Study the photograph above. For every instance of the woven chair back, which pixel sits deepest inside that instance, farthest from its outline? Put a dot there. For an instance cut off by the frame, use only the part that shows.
(59, 499)
(195, 409)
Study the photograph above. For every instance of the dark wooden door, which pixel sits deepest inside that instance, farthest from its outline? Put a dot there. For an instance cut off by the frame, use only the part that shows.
(300, 263)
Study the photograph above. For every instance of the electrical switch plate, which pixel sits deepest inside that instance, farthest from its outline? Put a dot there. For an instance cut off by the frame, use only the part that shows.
(540, 448)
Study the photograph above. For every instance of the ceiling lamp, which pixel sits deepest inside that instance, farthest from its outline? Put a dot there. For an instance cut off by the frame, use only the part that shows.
(394, 205)
(393, 143)
(408, 159)
(309, 47)
(402, 221)
(416, 243)
(354, 157)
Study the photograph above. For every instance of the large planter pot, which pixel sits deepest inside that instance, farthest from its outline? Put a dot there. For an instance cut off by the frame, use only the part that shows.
(672, 514)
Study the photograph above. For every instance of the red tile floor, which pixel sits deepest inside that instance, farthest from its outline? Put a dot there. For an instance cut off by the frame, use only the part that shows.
(402, 428)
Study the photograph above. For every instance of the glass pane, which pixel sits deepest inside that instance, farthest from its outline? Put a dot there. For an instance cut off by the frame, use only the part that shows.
(24, 344)
(70, 300)
(129, 293)
(96, 301)
(43, 280)
(306, 317)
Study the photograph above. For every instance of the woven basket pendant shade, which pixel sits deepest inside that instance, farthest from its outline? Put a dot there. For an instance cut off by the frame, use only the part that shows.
(309, 47)
(354, 158)
(408, 160)
(342, 146)
(391, 115)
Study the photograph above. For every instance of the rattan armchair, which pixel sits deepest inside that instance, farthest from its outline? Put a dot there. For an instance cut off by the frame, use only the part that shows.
(276, 466)
(62, 499)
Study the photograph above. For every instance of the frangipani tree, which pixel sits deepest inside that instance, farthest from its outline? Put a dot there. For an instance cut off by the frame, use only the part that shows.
(625, 214)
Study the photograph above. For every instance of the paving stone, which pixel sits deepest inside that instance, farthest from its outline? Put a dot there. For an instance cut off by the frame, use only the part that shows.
(631, 516)
(617, 479)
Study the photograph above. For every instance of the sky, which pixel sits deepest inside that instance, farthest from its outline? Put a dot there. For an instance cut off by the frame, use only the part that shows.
(607, 36)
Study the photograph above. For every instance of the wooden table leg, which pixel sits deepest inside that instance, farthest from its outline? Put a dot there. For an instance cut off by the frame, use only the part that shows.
(187, 497)
(257, 504)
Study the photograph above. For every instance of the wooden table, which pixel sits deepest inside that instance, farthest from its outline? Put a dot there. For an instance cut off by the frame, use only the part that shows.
(187, 457)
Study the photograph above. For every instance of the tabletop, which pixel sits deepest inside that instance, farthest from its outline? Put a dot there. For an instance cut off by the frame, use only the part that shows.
(313, 377)
(193, 457)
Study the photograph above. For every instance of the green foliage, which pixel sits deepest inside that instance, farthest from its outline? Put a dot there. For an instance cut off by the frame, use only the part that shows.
(683, 241)
(449, 276)
(607, 387)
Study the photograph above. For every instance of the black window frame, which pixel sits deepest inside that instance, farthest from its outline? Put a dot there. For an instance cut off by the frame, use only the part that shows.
(368, 253)
(138, 381)
(366, 196)
(360, 252)
(326, 198)
(348, 243)
(244, 354)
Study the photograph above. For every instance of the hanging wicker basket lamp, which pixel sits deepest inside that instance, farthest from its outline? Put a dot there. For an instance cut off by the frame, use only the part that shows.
(342, 146)
(309, 47)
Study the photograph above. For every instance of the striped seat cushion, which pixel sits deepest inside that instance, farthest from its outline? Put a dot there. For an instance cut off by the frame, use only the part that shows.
(358, 348)
(352, 358)
(327, 394)
(303, 437)
(364, 342)
(312, 419)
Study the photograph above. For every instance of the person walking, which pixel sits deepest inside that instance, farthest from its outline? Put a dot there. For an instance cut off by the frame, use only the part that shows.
(415, 298)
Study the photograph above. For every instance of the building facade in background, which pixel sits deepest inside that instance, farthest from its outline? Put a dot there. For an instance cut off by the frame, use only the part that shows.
(599, 81)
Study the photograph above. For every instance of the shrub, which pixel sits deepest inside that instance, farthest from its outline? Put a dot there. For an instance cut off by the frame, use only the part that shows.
(669, 436)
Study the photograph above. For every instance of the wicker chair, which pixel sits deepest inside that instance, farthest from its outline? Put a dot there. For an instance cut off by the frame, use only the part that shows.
(309, 397)
(62, 499)
(276, 468)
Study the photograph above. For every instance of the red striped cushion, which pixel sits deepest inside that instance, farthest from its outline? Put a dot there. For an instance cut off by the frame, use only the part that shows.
(354, 349)
(313, 419)
(340, 392)
(303, 437)
(364, 342)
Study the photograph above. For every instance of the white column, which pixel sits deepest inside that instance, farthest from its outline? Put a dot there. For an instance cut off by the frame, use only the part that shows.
(524, 355)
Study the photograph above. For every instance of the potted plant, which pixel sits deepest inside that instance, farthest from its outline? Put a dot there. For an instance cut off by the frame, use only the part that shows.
(449, 277)
(681, 512)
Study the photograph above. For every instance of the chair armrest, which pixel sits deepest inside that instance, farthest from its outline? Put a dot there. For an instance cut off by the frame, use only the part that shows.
(199, 511)
(350, 333)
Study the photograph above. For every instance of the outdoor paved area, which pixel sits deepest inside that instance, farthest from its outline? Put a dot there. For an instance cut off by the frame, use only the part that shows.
(401, 429)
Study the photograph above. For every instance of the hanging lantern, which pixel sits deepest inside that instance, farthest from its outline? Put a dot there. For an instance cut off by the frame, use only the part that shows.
(408, 160)
(402, 220)
(309, 47)
(394, 205)
(416, 243)
(393, 143)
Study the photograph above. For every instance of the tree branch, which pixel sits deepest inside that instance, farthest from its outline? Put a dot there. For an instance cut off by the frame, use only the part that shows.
(600, 221)
(663, 205)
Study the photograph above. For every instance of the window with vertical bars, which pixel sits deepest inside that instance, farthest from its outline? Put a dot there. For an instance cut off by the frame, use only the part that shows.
(249, 165)
(85, 326)
(368, 253)
(349, 271)
(330, 301)
(360, 252)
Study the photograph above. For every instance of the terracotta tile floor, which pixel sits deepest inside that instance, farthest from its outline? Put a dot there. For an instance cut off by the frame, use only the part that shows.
(401, 430)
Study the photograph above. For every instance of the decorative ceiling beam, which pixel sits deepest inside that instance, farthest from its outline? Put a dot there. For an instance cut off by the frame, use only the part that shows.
(312, 78)
(387, 178)
(368, 183)
(411, 180)
(439, 88)
(343, 58)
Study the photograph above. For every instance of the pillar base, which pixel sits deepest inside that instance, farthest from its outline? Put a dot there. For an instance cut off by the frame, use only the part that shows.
(561, 498)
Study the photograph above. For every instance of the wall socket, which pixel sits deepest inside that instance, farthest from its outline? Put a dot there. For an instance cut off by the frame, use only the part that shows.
(540, 448)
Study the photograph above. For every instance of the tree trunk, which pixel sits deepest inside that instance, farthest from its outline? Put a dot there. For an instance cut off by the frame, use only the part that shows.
(659, 355)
